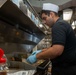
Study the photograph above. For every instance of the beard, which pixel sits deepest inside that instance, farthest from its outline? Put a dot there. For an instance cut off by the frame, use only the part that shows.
(50, 23)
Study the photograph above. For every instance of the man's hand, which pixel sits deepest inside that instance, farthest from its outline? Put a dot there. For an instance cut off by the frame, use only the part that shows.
(32, 58)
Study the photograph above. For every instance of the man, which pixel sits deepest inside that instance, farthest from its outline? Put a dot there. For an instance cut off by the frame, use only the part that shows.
(62, 53)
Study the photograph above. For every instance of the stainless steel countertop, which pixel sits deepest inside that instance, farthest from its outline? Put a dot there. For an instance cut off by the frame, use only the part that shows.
(20, 72)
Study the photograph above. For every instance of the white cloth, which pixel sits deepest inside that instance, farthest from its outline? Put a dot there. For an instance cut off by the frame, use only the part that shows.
(50, 7)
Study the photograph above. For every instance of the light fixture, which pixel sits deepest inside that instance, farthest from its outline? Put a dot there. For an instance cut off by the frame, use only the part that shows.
(40, 25)
(67, 14)
(73, 27)
(74, 24)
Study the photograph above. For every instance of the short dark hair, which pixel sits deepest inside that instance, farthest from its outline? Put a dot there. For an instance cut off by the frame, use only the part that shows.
(47, 12)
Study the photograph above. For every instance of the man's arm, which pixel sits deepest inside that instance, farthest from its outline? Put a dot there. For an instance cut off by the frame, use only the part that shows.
(52, 52)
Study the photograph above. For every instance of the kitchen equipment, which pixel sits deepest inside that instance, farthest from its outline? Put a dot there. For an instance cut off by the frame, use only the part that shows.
(18, 33)
(42, 68)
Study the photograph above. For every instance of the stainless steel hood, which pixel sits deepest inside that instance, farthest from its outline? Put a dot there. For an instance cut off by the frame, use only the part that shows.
(17, 29)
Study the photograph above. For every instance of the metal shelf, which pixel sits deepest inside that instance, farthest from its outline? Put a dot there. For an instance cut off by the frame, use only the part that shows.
(10, 13)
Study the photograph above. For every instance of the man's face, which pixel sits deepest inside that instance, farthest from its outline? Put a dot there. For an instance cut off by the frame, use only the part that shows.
(47, 19)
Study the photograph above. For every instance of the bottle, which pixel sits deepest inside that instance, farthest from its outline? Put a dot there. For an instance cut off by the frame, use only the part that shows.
(2, 63)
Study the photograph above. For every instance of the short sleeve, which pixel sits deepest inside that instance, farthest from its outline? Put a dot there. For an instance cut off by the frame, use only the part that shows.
(59, 31)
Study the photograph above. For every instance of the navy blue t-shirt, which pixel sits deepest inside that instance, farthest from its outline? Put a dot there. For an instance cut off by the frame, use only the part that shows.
(63, 34)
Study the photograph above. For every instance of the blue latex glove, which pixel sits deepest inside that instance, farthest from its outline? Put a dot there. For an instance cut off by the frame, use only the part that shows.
(35, 52)
(32, 58)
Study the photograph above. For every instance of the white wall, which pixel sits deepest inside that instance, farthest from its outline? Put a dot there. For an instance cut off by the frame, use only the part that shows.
(38, 3)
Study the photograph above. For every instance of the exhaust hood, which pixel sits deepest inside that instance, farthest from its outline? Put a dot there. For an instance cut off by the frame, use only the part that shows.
(16, 27)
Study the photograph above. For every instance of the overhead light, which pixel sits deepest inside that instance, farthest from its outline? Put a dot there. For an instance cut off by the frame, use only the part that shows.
(67, 14)
(74, 24)
(73, 27)
(40, 25)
